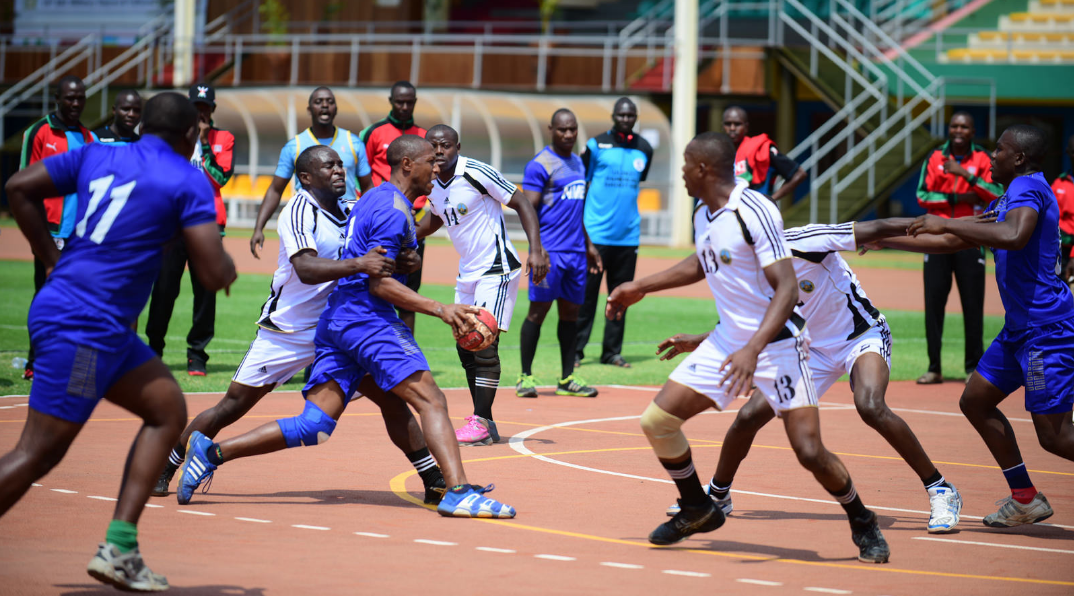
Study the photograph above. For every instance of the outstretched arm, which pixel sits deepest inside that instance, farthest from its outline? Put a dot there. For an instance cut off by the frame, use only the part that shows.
(684, 273)
(1010, 234)
(398, 294)
(868, 232)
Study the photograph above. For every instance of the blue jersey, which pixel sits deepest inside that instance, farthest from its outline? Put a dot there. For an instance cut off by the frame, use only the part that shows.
(561, 182)
(615, 166)
(1029, 284)
(350, 148)
(131, 201)
(384, 220)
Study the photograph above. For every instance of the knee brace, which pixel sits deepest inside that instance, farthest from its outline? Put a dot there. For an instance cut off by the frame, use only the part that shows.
(311, 427)
(489, 358)
(664, 432)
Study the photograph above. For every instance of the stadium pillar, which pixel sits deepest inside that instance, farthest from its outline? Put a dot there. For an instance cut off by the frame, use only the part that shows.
(183, 42)
(683, 116)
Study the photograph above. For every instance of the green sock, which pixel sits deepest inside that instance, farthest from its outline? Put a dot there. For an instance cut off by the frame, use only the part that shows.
(123, 534)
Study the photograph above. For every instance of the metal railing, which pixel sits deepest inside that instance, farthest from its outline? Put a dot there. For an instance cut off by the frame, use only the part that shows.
(87, 51)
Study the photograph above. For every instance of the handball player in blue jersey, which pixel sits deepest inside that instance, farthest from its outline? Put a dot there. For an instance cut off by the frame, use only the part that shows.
(131, 200)
(360, 339)
(1035, 349)
(555, 183)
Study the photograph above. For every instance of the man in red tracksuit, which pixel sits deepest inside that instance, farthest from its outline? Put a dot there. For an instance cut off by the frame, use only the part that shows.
(377, 136)
(59, 132)
(1063, 187)
(212, 155)
(956, 181)
(757, 160)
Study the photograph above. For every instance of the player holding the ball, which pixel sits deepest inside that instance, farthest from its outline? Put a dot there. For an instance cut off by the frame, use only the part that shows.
(468, 196)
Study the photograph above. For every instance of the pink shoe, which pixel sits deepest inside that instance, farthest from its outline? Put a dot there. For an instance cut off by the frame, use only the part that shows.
(474, 432)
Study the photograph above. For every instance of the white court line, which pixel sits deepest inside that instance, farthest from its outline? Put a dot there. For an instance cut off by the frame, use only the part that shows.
(305, 527)
(192, 512)
(828, 590)
(12, 407)
(554, 558)
(435, 542)
(517, 442)
(685, 573)
(1034, 548)
(622, 565)
(371, 535)
(102, 498)
(152, 506)
(758, 582)
(490, 549)
(254, 520)
(64, 491)
(34, 484)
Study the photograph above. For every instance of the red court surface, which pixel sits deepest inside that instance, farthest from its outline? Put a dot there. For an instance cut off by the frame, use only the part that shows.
(335, 519)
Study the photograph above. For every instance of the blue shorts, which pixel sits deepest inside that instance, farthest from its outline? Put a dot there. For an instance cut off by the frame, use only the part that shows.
(1041, 359)
(347, 351)
(565, 279)
(70, 378)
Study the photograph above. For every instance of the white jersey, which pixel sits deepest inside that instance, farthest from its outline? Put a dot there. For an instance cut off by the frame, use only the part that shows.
(471, 206)
(830, 296)
(734, 246)
(293, 306)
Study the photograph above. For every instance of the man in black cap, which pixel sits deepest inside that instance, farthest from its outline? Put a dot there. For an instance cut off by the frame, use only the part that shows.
(212, 155)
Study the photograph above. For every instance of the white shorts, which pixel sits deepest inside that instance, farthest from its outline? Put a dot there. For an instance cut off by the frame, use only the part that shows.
(494, 293)
(274, 357)
(829, 363)
(782, 373)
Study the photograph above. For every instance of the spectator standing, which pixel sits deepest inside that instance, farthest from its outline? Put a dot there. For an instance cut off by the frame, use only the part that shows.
(1063, 187)
(126, 114)
(757, 160)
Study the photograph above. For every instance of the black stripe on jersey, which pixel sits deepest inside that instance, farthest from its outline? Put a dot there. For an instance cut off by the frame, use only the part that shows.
(812, 257)
(786, 333)
(862, 300)
(819, 229)
(266, 321)
(474, 183)
(745, 231)
(497, 265)
(512, 262)
(493, 175)
(860, 324)
(773, 232)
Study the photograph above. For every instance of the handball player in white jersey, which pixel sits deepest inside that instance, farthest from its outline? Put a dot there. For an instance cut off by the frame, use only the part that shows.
(468, 197)
(312, 227)
(848, 336)
(760, 340)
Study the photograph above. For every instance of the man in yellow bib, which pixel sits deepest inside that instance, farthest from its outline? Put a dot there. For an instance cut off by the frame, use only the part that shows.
(322, 131)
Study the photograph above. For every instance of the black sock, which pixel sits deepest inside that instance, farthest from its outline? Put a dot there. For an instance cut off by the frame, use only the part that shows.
(567, 332)
(851, 502)
(935, 480)
(214, 455)
(720, 492)
(685, 477)
(531, 332)
(466, 357)
(426, 466)
(486, 379)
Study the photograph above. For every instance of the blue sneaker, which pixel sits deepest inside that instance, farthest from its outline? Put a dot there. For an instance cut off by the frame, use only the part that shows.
(196, 467)
(472, 503)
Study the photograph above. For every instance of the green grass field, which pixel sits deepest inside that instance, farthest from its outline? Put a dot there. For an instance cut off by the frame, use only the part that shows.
(648, 323)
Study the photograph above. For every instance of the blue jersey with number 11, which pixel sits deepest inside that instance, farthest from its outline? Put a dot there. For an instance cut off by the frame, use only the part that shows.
(131, 201)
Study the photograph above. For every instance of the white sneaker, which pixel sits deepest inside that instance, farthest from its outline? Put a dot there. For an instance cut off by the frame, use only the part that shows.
(724, 504)
(1013, 513)
(946, 504)
(125, 571)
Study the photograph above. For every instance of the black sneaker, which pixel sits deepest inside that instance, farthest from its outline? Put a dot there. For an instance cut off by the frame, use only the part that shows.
(872, 548)
(689, 520)
(435, 491)
(195, 367)
(161, 488)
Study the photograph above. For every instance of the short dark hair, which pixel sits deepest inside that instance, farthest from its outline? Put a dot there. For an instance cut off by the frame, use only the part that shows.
(557, 113)
(314, 92)
(443, 129)
(1031, 141)
(309, 157)
(964, 114)
(169, 116)
(717, 149)
(745, 114)
(626, 100)
(410, 146)
(401, 85)
(66, 80)
(126, 93)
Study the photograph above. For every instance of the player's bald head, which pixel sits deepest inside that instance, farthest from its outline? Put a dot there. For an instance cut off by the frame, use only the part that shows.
(127, 96)
(169, 115)
(563, 115)
(443, 130)
(1028, 140)
(736, 112)
(714, 149)
(406, 147)
(311, 157)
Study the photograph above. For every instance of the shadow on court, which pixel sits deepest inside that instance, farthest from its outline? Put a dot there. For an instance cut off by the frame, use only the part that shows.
(95, 588)
(300, 497)
(978, 531)
(775, 552)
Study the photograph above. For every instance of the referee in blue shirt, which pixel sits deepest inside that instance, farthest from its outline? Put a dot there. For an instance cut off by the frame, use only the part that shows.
(616, 163)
